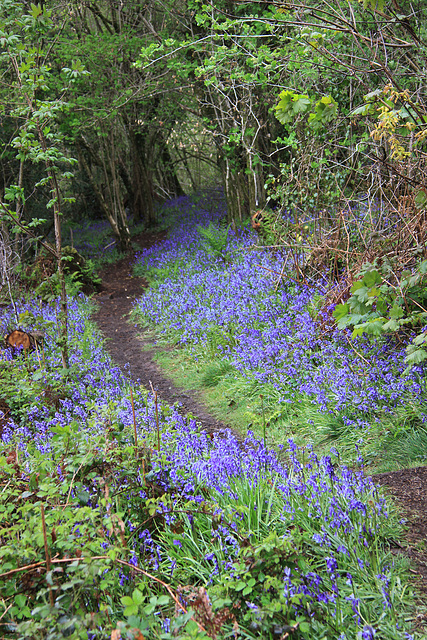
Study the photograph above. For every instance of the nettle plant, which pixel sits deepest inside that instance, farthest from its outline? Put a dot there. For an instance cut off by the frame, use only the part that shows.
(381, 303)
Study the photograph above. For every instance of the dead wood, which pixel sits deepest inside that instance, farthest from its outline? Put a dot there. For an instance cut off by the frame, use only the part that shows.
(26, 340)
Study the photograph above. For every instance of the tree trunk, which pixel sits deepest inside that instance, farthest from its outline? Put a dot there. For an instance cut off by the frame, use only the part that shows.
(170, 180)
(111, 205)
(141, 192)
(236, 192)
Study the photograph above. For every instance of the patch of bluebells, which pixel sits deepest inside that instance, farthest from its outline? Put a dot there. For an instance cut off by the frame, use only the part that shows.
(92, 239)
(267, 331)
(97, 384)
(338, 509)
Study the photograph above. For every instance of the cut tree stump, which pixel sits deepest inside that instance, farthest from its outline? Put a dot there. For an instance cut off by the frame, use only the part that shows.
(24, 339)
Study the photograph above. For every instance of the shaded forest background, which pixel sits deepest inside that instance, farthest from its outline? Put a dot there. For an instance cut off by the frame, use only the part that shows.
(300, 105)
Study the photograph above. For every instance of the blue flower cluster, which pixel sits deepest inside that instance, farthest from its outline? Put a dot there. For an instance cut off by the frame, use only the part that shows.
(251, 313)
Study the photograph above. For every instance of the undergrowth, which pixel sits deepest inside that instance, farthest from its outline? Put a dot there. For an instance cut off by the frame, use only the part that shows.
(119, 518)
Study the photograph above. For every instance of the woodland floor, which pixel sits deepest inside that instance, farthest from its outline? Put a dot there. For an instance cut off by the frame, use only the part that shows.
(134, 352)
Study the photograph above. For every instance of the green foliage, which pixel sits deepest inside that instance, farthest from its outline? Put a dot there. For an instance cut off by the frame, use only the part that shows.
(224, 553)
(258, 577)
(291, 105)
(215, 241)
(157, 275)
(376, 306)
(215, 372)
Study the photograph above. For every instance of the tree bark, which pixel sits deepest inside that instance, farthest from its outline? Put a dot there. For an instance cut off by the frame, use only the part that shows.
(236, 192)
(115, 216)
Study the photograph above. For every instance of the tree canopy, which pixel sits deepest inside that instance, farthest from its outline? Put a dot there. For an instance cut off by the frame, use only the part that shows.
(291, 104)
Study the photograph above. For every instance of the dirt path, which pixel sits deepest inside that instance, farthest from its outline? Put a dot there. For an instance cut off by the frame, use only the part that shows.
(134, 353)
(127, 344)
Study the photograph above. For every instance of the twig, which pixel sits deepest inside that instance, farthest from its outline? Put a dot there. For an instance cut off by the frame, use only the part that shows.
(308, 284)
(281, 273)
(135, 435)
(46, 552)
(157, 415)
(355, 351)
(26, 568)
(6, 610)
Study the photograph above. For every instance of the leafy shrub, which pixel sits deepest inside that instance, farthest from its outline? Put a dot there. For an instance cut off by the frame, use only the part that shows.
(378, 306)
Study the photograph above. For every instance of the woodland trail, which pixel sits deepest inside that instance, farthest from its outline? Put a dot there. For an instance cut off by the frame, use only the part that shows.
(127, 345)
(134, 353)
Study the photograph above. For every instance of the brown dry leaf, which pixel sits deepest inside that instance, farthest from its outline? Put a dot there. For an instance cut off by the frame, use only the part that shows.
(115, 634)
(11, 457)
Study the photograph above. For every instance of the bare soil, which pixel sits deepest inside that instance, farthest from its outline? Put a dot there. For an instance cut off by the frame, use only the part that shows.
(133, 351)
(130, 348)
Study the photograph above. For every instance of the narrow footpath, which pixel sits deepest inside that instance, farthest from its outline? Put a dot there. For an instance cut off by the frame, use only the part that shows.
(127, 345)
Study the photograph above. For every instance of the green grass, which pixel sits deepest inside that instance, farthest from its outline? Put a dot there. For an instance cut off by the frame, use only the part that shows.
(236, 401)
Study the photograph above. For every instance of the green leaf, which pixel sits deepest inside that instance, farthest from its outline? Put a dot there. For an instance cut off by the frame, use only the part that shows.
(131, 610)
(391, 325)
(363, 110)
(420, 199)
(290, 105)
(396, 312)
(83, 497)
(417, 356)
(137, 597)
(356, 286)
(240, 585)
(371, 278)
(20, 600)
(373, 95)
(382, 307)
(325, 110)
(421, 339)
(35, 11)
(340, 311)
